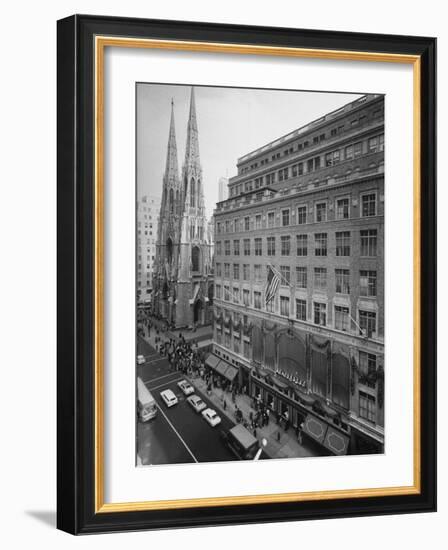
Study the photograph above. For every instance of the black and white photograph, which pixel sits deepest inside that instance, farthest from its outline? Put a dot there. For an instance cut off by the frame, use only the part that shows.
(259, 273)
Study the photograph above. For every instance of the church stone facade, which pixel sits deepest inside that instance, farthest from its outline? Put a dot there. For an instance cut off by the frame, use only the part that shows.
(183, 281)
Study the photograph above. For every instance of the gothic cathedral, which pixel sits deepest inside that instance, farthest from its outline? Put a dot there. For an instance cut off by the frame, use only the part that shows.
(183, 281)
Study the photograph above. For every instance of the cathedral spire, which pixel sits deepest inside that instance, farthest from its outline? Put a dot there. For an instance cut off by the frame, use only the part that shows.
(171, 168)
(192, 147)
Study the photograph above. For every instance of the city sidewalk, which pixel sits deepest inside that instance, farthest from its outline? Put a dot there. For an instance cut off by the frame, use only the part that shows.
(286, 446)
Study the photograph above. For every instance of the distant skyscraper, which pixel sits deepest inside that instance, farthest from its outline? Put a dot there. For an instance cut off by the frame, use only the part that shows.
(148, 208)
(223, 182)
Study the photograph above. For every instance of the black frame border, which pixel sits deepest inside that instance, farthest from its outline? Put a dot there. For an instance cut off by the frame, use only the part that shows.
(76, 262)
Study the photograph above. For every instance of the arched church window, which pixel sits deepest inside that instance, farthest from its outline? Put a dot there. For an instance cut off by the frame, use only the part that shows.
(169, 250)
(171, 201)
(195, 258)
(177, 203)
(192, 193)
(210, 294)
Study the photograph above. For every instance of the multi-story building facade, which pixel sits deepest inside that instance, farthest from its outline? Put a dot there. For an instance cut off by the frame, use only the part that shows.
(148, 208)
(183, 280)
(307, 210)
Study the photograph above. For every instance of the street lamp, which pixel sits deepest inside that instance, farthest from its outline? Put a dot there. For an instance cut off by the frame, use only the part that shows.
(264, 442)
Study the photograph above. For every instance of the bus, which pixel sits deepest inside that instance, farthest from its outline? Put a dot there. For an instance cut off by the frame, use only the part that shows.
(146, 404)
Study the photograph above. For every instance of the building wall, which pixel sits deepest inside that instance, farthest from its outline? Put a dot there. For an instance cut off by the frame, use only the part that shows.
(148, 208)
(270, 210)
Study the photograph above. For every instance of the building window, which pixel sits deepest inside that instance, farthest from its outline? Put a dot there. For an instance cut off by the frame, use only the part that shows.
(368, 205)
(227, 226)
(343, 209)
(246, 223)
(285, 272)
(218, 248)
(342, 281)
(226, 271)
(257, 272)
(301, 277)
(302, 245)
(236, 295)
(270, 179)
(218, 228)
(283, 174)
(320, 278)
(301, 215)
(195, 258)
(367, 322)
(227, 248)
(218, 291)
(367, 406)
(257, 247)
(320, 314)
(271, 219)
(301, 309)
(349, 152)
(342, 243)
(257, 300)
(236, 247)
(321, 212)
(332, 158)
(258, 221)
(341, 318)
(376, 144)
(369, 239)
(226, 293)
(285, 217)
(236, 271)
(284, 306)
(320, 244)
(357, 149)
(367, 366)
(367, 283)
(246, 297)
(246, 272)
(246, 247)
(236, 224)
(285, 245)
(271, 246)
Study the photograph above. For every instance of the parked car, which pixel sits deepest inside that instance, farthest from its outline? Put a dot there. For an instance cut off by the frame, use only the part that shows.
(141, 359)
(211, 416)
(169, 397)
(186, 387)
(196, 402)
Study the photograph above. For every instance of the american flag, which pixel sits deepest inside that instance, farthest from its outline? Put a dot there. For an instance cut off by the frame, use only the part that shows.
(273, 281)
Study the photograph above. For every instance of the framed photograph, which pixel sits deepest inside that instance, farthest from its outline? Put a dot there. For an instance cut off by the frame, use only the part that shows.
(246, 274)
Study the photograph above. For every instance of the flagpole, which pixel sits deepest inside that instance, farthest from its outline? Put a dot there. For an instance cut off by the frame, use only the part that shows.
(280, 275)
(360, 329)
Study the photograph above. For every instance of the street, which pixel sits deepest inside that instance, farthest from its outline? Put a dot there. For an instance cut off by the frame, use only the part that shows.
(177, 434)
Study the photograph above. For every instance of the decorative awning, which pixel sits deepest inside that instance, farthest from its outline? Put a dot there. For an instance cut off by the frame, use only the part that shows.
(315, 428)
(212, 361)
(221, 368)
(328, 410)
(336, 441)
(231, 373)
(328, 436)
(306, 399)
(279, 382)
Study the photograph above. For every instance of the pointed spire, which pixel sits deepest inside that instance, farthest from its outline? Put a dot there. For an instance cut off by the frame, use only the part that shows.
(192, 147)
(171, 168)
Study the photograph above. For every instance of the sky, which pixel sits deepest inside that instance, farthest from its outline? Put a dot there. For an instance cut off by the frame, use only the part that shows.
(231, 123)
